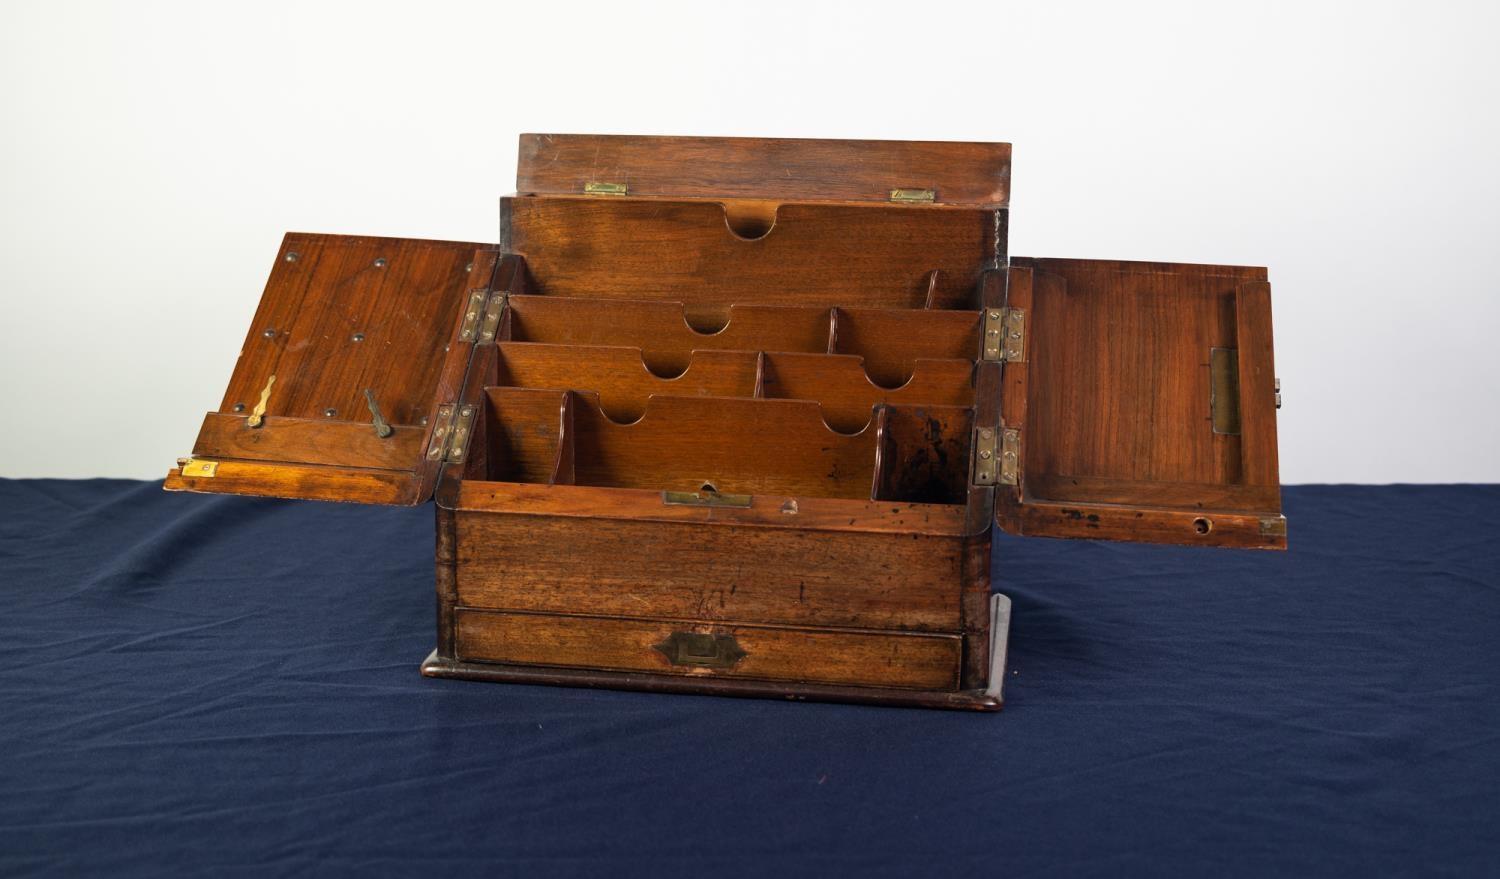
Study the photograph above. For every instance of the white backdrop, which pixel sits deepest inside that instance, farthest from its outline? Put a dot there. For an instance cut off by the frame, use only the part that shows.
(154, 153)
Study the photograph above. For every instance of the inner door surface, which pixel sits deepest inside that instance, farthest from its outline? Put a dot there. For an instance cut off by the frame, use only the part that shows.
(341, 382)
(1144, 405)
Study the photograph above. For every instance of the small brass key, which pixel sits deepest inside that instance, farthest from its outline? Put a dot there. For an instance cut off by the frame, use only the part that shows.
(258, 414)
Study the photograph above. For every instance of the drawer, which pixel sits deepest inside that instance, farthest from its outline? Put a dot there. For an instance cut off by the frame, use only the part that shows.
(829, 656)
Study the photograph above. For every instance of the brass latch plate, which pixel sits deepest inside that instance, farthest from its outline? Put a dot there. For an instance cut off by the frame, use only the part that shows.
(597, 188)
(199, 469)
(914, 196)
(1224, 390)
(701, 650)
(704, 499)
(1005, 335)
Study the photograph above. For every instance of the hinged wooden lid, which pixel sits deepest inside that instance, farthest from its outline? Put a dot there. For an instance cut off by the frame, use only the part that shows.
(777, 169)
(348, 379)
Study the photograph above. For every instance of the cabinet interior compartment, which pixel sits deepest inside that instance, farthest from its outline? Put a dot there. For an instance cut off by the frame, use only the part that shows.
(721, 445)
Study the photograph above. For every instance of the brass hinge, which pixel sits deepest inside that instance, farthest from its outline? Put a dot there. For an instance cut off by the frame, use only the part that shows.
(985, 452)
(605, 189)
(1010, 456)
(474, 310)
(914, 196)
(996, 458)
(1004, 335)
(482, 316)
(492, 312)
(450, 435)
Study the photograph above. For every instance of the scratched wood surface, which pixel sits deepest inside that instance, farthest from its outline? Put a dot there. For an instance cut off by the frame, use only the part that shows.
(708, 570)
(341, 314)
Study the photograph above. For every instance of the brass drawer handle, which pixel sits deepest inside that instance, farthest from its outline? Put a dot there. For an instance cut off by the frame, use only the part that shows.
(701, 650)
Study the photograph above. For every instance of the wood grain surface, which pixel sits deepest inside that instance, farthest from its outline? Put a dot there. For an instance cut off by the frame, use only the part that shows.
(880, 659)
(1115, 399)
(784, 169)
(814, 254)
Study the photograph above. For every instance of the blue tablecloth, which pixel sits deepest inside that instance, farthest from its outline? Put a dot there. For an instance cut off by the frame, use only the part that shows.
(229, 686)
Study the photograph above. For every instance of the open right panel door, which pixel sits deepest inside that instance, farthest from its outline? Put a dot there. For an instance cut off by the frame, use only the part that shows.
(1140, 404)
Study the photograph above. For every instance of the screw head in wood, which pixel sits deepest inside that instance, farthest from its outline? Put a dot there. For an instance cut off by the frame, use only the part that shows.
(330, 412)
(380, 263)
(269, 333)
(357, 337)
(292, 256)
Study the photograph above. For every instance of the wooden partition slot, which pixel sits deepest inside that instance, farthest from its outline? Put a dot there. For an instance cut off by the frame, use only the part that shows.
(620, 376)
(890, 340)
(624, 384)
(732, 446)
(871, 255)
(522, 430)
(842, 385)
(661, 330)
(719, 444)
(925, 454)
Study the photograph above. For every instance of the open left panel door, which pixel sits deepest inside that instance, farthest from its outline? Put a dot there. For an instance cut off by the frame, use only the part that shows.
(347, 385)
(1139, 403)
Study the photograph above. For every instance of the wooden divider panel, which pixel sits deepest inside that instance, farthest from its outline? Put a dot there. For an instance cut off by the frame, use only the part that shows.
(736, 446)
(722, 444)
(892, 340)
(889, 340)
(620, 377)
(842, 386)
(661, 330)
(813, 254)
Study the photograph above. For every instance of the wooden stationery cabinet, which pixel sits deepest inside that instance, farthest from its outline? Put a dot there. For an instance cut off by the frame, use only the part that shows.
(739, 416)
